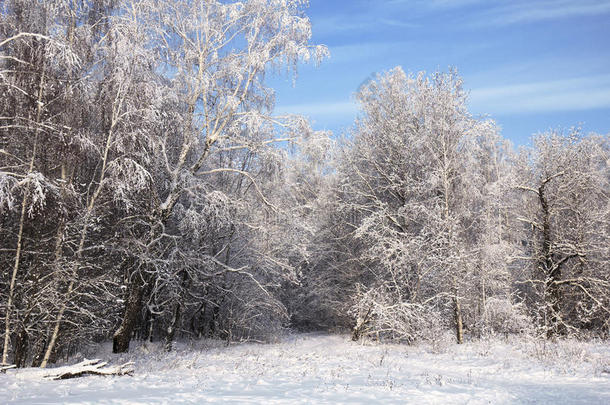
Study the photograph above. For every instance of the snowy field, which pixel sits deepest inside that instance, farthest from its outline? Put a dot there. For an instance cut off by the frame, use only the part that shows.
(317, 369)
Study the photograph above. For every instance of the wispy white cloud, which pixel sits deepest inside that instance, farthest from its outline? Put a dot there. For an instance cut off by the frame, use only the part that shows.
(573, 94)
(393, 22)
(336, 24)
(532, 11)
(506, 12)
(437, 4)
(373, 21)
(320, 109)
(365, 50)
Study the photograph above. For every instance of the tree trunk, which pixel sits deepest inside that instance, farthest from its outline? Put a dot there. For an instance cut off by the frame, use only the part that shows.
(553, 302)
(133, 306)
(482, 304)
(551, 273)
(55, 333)
(21, 348)
(81, 245)
(11, 291)
(361, 325)
(39, 349)
(213, 325)
(171, 329)
(459, 331)
(147, 326)
(24, 202)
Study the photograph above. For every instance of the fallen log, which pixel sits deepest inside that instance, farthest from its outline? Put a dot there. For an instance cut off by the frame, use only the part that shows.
(4, 367)
(89, 367)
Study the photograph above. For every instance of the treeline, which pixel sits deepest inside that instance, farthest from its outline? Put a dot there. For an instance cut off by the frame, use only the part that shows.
(147, 191)
(430, 222)
(141, 172)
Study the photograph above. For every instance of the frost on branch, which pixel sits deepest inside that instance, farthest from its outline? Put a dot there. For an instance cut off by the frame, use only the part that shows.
(7, 197)
(502, 316)
(37, 187)
(127, 178)
(378, 315)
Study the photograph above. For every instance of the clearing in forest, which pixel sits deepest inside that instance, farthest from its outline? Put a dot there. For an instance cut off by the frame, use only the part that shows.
(332, 369)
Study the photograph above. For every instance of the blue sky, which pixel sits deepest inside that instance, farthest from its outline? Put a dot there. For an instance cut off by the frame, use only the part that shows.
(530, 65)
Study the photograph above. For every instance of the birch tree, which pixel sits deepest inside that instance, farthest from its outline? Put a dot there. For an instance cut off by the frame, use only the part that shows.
(32, 64)
(414, 176)
(216, 56)
(124, 140)
(158, 181)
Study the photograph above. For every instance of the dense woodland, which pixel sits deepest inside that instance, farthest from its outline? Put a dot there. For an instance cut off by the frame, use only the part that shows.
(148, 191)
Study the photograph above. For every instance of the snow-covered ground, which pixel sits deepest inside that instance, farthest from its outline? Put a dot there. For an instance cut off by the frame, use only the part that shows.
(316, 369)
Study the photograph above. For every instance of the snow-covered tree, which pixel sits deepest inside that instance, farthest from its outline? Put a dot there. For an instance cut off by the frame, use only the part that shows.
(138, 167)
(563, 216)
(37, 78)
(215, 56)
(416, 176)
